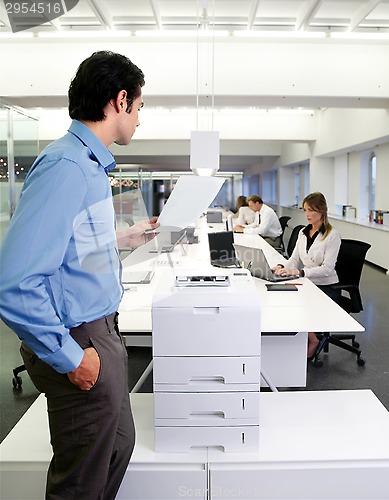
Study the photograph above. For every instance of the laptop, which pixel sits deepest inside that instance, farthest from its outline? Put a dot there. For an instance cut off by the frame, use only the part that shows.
(175, 238)
(255, 261)
(214, 217)
(137, 277)
(221, 249)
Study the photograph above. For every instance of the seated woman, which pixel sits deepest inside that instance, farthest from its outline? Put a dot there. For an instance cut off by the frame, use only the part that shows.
(315, 254)
(244, 213)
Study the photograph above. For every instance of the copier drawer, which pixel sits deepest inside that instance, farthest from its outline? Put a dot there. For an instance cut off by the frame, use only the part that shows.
(206, 331)
(207, 373)
(182, 439)
(220, 409)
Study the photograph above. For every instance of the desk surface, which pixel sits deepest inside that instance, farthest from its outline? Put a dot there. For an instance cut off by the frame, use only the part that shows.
(353, 426)
(308, 309)
(313, 445)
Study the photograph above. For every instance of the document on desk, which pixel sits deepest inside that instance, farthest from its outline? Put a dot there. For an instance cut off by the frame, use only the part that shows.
(190, 197)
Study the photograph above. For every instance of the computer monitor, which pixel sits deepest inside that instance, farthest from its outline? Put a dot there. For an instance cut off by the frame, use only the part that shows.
(214, 217)
(221, 249)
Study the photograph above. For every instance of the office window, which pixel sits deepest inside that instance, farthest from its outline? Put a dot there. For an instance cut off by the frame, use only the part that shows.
(300, 184)
(372, 181)
(269, 186)
(296, 189)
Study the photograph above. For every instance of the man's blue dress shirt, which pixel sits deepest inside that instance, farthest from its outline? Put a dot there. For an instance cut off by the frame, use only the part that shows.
(59, 264)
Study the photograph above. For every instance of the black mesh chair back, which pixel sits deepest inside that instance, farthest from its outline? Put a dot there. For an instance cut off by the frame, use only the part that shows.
(349, 267)
(350, 261)
(293, 239)
(283, 222)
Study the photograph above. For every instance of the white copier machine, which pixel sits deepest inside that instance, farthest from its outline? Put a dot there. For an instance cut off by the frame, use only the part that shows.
(206, 361)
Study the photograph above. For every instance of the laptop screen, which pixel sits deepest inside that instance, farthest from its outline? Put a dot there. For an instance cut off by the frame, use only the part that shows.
(221, 246)
(254, 260)
(214, 217)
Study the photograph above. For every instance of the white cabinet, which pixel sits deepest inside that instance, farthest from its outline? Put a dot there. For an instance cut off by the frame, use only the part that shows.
(164, 482)
(210, 373)
(206, 366)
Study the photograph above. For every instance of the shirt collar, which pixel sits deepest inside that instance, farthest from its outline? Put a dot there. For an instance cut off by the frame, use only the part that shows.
(102, 154)
(309, 227)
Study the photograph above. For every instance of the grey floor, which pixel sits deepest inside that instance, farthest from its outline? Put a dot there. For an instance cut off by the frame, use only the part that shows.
(339, 370)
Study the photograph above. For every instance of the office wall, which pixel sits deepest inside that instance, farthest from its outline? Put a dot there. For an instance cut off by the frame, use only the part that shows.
(343, 130)
(246, 73)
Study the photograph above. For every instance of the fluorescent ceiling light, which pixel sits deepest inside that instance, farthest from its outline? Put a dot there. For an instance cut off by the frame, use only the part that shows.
(228, 111)
(239, 111)
(278, 34)
(359, 36)
(181, 33)
(297, 111)
(83, 34)
(204, 172)
(23, 34)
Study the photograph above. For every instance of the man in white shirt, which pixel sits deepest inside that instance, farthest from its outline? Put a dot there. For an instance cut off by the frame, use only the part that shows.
(266, 222)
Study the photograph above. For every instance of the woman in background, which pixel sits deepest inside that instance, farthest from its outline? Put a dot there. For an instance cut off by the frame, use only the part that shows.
(244, 213)
(315, 254)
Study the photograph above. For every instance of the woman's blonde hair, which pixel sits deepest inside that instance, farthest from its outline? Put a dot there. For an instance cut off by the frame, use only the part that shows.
(317, 202)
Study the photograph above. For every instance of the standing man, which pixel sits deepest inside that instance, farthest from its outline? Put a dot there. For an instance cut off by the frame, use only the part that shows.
(61, 283)
(266, 222)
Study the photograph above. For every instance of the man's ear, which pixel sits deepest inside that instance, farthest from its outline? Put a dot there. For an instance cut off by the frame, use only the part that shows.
(120, 102)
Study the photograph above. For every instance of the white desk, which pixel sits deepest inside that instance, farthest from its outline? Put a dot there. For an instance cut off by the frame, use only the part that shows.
(313, 445)
(286, 317)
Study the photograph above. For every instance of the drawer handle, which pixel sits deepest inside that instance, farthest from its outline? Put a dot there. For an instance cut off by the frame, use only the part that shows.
(206, 380)
(206, 310)
(207, 414)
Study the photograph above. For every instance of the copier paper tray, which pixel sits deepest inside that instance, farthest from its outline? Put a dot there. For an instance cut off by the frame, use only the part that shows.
(200, 280)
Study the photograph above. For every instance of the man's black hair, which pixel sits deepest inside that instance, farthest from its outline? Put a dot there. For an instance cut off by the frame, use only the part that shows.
(98, 80)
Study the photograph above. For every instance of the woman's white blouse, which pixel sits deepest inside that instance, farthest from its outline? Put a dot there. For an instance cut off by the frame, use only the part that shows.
(319, 262)
(245, 216)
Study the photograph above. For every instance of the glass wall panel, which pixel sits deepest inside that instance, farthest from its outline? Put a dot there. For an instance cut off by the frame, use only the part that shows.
(19, 147)
(139, 195)
(25, 148)
(4, 182)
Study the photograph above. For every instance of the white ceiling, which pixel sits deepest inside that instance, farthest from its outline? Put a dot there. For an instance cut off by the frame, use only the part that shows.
(108, 18)
(231, 15)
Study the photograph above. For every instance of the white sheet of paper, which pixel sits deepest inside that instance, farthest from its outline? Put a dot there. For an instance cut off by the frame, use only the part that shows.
(190, 197)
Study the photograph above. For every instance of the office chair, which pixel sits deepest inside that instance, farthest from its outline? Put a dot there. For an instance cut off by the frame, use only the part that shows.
(293, 239)
(17, 379)
(349, 267)
(284, 222)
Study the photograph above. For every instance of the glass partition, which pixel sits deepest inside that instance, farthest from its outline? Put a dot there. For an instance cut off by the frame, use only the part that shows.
(4, 182)
(142, 194)
(19, 146)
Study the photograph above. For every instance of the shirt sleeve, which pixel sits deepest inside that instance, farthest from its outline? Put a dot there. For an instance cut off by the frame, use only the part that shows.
(241, 219)
(32, 252)
(264, 225)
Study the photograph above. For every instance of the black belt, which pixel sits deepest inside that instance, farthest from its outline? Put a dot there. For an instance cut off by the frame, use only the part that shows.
(111, 319)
